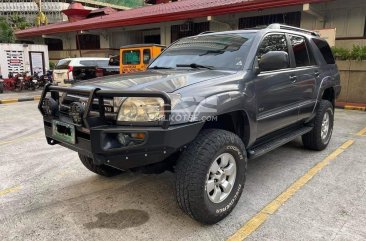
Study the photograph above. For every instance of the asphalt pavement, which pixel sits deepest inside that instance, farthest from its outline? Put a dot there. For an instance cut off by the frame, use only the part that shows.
(47, 194)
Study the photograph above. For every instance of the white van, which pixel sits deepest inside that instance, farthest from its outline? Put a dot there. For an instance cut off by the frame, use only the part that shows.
(65, 68)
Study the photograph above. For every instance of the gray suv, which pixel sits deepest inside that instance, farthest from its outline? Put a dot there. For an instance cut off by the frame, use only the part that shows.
(203, 108)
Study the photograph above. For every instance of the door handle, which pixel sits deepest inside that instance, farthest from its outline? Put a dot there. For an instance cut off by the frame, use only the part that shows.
(317, 73)
(293, 78)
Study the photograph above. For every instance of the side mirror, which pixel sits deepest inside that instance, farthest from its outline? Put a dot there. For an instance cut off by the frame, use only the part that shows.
(274, 60)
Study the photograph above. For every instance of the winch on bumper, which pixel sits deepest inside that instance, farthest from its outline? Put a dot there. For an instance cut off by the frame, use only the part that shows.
(121, 146)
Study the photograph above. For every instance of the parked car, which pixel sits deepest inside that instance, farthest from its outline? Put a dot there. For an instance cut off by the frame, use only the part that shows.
(73, 69)
(204, 107)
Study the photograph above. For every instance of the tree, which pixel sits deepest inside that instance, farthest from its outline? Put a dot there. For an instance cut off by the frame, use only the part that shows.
(18, 23)
(6, 32)
(10, 25)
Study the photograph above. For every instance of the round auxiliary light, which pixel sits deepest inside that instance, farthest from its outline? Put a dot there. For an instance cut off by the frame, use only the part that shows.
(49, 106)
(76, 112)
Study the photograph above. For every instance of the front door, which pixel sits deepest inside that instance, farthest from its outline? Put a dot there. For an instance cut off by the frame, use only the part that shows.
(276, 98)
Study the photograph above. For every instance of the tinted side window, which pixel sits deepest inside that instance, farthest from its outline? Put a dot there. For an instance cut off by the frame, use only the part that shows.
(273, 42)
(300, 51)
(325, 50)
(102, 63)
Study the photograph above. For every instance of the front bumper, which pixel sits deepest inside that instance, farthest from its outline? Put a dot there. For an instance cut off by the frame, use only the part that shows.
(158, 143)
(97, 137)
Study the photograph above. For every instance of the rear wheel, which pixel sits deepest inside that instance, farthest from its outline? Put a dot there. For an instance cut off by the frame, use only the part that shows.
(102, 170)
(318, 139)
(210, 175)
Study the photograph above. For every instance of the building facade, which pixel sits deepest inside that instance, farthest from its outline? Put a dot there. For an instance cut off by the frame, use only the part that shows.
(163, 24)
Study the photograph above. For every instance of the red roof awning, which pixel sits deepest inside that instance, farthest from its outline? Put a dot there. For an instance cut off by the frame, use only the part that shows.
(172, 11)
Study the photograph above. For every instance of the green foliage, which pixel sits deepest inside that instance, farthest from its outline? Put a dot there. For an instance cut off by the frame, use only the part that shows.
(126, 3)
(356, 53)
(9, 26)
(6, 32)
(341, 53)
(18, 23)
(52, 65)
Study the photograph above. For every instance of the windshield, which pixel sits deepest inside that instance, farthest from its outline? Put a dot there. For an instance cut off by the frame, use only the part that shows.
(220, 51)
(131, 57)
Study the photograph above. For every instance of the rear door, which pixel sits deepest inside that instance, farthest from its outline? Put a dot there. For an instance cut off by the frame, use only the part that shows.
(305, 75)
(276, 97)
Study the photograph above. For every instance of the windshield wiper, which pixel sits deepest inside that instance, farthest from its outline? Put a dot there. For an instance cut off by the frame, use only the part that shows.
(196, 66)
(161, 67)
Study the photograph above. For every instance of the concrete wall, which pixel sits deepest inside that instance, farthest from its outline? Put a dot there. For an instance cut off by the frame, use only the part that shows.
(353, 81)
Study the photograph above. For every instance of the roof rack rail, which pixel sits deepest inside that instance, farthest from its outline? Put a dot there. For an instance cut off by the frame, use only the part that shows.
(287, 27)
(206, 32)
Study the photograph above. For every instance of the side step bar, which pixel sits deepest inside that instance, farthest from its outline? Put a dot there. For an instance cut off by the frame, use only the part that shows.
(261, 149)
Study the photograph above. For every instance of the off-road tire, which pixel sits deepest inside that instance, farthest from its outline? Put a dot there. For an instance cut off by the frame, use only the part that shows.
(313, 140)
(102, 170)
(192, 171)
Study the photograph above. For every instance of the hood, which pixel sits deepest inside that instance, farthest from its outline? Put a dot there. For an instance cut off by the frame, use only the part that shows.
(156, 80)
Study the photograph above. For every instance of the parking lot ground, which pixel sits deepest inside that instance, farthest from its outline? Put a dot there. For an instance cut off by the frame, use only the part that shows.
(46, 193)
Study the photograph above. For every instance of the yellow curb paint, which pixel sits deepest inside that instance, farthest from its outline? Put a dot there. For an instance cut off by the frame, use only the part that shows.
(9, 190)
(7, 101)
(350, 107)
(361, 132)
(255, 222)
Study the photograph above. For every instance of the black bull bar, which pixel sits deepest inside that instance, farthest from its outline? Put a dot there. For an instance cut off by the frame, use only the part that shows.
(99, 94)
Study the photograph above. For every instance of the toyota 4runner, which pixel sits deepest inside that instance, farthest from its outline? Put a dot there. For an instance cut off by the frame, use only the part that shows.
(204, 107)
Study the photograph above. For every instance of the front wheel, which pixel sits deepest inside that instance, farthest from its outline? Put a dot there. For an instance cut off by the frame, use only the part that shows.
(318, 139)
(210, 175)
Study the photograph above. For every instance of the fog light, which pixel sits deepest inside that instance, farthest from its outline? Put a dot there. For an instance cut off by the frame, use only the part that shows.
(49, 106)
(76, 112)
(124, 139)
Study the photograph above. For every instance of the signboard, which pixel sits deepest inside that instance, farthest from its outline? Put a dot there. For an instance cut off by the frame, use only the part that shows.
(15, 62)
(37, 62)
(328, 34)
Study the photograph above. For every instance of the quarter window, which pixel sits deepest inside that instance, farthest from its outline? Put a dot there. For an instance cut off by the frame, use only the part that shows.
(300, 51)
(146, 56)
(273, 42)
(325, 50)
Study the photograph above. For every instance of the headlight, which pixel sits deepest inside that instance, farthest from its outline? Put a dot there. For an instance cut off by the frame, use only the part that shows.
(141, 109)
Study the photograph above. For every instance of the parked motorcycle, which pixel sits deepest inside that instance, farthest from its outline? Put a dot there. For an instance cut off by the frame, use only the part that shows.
(30, 82)
(18, 81)
(1, 84)
(45, 79)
